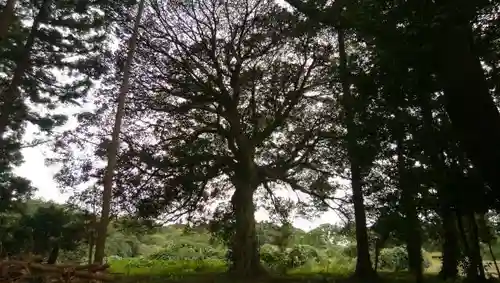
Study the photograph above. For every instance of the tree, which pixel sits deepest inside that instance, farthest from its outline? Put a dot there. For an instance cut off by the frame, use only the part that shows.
(115, 142)
(363, 265)
(458, 78)
(232, 94)
(6, 17)
(43, 229)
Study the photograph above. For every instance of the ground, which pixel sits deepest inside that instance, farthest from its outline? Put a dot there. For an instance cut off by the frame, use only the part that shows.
(212, 272)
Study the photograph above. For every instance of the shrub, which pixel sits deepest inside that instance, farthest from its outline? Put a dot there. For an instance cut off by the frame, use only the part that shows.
(300, 254)
(396, 259)
(271, 256)
(350, 251)
(188, 251)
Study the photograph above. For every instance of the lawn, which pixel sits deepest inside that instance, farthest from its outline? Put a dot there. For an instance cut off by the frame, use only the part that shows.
(208, 271)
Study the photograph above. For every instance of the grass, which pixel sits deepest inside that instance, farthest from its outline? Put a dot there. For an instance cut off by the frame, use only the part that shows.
(207, 271)
(136, 270)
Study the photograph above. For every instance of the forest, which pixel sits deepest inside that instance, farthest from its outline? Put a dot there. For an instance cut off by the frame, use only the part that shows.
(172, 122)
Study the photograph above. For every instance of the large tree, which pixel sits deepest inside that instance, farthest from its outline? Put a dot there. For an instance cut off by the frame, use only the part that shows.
(229, 104)
(231, 93)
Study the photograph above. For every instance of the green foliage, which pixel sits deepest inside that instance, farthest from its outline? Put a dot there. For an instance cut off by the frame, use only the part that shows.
(40, 228)
(396, 259)
(138, 266)
(189, 251)
(299, 255)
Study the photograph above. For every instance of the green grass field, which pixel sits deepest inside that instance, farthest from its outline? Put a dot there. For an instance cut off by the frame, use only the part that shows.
(152, 271)
(143, 270)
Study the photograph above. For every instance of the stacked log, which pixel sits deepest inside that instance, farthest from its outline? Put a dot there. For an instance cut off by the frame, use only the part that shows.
(20, 271)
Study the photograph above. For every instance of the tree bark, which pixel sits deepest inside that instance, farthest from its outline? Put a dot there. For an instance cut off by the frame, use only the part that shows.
(493, 258)
(475, 247)
(412, 224)
(6, 18)
(245, 250)
(450, 254)
(102, 227)
(91, 247)
(449, 268)
(364, 267)
(54, 254)
(472, 111)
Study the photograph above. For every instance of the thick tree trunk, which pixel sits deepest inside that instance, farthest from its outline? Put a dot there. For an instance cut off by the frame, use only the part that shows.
(245, 249)
(450, 254)
(472, 111)
(364, 267)
(363, 263)
(412, 224)
(6, 17)
(10, 102)
(472, 252)
(102, 227)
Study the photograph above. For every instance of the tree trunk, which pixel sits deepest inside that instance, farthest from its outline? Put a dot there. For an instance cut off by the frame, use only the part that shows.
(449, 268)
(412, 224)
(494, 259)
(363, 263)
(245, 249)
(364, 267)
(473, 274)
(472, 111)
(91, 247)
(10, 101)
(102, 227)
(477, 259)
(378, 248)
(6, 18)
(450, 254)
(54, 254)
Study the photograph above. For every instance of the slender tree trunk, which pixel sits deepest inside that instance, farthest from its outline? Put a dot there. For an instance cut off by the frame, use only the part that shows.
(494, 259)
(364, 267)
(54, 254)
(245, 250)
(91, 247)
(449, 268)
(6, 17)
(378, 248)
(475, 247)
(102, 226)
(10, 102)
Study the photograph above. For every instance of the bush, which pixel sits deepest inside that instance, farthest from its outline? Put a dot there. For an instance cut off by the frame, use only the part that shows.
(299, 255)
(396, 259)
(188, 251)
(295, 257)
(143, 266)
(271, 256)
(350, 251)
